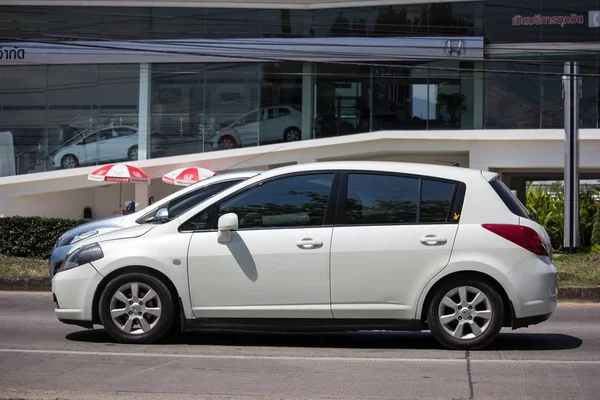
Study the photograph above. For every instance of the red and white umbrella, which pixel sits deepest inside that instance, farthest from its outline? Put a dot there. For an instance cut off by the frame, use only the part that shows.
(187, 176)
(122, 173)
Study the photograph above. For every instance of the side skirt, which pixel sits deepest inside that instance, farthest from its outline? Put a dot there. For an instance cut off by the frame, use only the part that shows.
(303, 325)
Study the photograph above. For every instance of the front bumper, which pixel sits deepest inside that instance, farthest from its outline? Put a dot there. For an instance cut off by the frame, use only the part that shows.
(73, 292)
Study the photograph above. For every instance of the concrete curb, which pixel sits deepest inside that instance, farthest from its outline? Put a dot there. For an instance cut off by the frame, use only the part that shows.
(42, 284)
(25, 283)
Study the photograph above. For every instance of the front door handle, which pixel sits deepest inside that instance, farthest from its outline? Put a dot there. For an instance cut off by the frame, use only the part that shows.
(432, 240)
(309, 244)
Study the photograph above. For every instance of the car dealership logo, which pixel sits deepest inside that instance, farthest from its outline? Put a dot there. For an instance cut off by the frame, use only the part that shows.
(455, 48)
(538, 19)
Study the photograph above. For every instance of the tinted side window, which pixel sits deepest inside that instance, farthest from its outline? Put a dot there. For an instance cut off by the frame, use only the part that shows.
(509, 199)
(436, 201)
(294, 201)
(381, 199)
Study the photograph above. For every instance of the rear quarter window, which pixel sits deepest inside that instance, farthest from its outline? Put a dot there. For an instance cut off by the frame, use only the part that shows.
(509, 199)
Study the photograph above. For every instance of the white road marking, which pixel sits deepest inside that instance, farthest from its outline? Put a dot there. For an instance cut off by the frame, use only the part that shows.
(293, 358)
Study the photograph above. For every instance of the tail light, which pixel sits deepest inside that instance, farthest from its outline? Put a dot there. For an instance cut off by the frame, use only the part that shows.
(520, 235)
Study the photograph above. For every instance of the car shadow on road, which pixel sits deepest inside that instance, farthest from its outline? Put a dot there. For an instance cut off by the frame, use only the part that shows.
(351, 340)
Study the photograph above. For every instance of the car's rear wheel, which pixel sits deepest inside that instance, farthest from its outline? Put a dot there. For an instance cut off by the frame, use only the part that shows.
(465, 314)
(292, 134)
(69, 161)
(132, 153)
(137, 308)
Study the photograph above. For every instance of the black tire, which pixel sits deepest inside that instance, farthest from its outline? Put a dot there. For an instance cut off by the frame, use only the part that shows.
(227, 143)
(468, 316)
(132, 153)
(292, 134)
(69, 161)
(158, 328)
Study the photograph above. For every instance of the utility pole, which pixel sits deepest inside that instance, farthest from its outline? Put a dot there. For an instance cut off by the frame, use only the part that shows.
(571, 91)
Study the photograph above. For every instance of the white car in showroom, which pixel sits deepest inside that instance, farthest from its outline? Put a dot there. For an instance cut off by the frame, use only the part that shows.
(103, 145)
(270, 124)
(331, 246)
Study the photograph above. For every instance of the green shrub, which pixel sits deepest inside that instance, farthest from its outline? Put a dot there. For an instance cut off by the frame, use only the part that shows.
(548, 204)
(595, 249)
(32, 236)
(596, 229)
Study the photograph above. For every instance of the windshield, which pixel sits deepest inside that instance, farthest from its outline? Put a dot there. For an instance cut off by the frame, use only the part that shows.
(181, 204)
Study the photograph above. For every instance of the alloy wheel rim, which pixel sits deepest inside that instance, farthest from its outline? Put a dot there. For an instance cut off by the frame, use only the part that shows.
(293, 135)
(135, 308)
(227, 144)
(465, 313)
(133, 154)
(69, 162)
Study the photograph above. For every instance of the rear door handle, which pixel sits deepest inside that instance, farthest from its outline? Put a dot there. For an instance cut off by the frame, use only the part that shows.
(432, 240)
(309, 244)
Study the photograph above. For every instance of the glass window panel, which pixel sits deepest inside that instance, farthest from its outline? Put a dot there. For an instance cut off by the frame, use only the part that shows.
(281, 100)
(513, 95)
(294, 201)
(436, 201)
(381, 199)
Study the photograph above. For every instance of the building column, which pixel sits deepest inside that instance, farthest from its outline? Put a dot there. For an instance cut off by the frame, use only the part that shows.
(144, 127)
(479, 96)
(308, 100)
(144, 117)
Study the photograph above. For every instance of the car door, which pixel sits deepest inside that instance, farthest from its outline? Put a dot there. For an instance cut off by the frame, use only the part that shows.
(106, 144)
(89, 153)
(277, 263)
(248, 128)
(392, 234)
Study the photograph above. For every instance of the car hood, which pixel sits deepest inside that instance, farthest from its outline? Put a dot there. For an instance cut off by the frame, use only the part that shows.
(113, 222)
(117, 234)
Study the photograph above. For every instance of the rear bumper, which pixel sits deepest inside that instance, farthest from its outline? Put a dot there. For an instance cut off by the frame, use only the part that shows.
(525, 322)
(535, 284)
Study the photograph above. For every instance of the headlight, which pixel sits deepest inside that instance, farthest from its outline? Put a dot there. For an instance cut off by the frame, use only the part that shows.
(86, 254)
(71, 239)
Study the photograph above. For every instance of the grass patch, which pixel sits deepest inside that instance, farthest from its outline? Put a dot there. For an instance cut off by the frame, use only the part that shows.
(23, 266)
(573, 269)
(578, 269)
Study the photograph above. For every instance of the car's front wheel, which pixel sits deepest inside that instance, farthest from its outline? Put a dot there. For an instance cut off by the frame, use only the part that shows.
(137, 308)
(465, 314)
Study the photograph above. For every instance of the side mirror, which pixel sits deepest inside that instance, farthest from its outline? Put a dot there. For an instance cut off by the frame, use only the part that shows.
(162, 215)
(227, 223)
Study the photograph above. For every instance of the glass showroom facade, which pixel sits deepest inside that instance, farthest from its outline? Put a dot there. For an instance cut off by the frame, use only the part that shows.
(80, 85)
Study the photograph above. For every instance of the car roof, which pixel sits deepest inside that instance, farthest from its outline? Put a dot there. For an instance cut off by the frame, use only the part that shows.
(433, 170)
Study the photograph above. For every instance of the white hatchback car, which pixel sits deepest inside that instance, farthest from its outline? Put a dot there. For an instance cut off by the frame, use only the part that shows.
(323, 247)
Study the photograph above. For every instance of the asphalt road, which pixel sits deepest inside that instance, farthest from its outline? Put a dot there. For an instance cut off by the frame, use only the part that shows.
(40, 358)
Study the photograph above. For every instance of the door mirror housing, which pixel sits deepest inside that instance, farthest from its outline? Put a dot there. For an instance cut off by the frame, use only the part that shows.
(227, 223)
(162, 215)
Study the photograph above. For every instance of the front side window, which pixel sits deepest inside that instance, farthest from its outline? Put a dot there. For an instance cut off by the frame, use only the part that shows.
(295, 201)
(381, 199)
